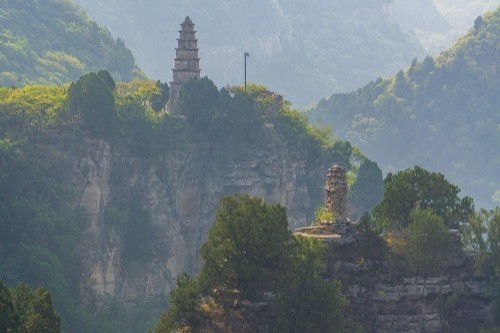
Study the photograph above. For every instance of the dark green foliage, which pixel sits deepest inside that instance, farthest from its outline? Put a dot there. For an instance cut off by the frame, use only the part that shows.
(495, 292)
(416, 188)
(239, 118)
(305, 302)
(367, 227)
(109, 314)
(159, 102)
(9, 319)
(440, 113)
(185, 301)
(368, 189)
(481, 239)
(491, 330)
(29, 311)
(250, 243)
(40, 223)
(91, 97)
(198, 101)
(76, 45)
(140, 133)
(428, 244)
(478, 23)
(220, 117)
(343, 153)
(248, 240)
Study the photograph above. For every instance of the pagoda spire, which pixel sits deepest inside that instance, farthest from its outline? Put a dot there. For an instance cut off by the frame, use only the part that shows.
(187, 61)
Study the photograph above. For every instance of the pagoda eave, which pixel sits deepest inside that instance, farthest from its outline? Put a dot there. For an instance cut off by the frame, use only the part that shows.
(187, 59)
(186, 49)
(186, 70)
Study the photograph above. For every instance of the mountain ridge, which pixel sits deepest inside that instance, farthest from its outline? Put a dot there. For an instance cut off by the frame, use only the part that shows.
(54, 42)
(436, 113)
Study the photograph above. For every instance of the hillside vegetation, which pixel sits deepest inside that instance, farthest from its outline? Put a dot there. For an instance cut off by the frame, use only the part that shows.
(303, 52)
(53, 42)
(43, 128)
(440, 113)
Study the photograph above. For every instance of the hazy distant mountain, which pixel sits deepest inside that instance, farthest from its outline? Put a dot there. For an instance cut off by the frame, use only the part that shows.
(304, 50)
(442, 114)
(54, 42)
(437, 23)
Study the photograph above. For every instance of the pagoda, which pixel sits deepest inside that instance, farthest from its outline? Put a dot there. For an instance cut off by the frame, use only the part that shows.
(187, 62)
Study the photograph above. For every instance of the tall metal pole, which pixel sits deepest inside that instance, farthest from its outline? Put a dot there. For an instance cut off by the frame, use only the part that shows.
(246, 55)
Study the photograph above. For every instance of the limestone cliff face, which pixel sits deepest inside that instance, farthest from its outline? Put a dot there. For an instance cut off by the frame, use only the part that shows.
(180, 190)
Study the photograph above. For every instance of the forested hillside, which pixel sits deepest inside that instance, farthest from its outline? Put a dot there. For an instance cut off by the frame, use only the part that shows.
(53, 42)
(302, 51)
(440, 113)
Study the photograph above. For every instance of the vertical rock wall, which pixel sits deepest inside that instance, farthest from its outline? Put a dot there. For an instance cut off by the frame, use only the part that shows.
(180, 190)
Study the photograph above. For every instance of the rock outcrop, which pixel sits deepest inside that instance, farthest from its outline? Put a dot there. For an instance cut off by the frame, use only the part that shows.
(180, 190)
(382, 298)
(385, 301)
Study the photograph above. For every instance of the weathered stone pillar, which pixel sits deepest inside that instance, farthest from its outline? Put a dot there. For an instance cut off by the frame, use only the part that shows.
(336, 193)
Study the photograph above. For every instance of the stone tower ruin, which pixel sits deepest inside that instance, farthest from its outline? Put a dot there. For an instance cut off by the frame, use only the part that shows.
(187, 62)
(336, 193)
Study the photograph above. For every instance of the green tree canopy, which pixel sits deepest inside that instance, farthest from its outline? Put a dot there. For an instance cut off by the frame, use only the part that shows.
(418, 188)
(249, 239)
(427, 245)
(305, 302)
(159, 101)
(482, 242)
(8, 316)
(368, 189)
(198, 101)
(29, 311)
(91, 97)
(184, 305)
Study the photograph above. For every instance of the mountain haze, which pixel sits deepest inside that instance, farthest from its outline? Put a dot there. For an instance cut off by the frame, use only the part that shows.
(438, 23)
(303, 51)
(440, 113)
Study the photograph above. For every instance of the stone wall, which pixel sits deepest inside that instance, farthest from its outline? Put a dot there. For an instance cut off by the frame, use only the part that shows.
(382, 299)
